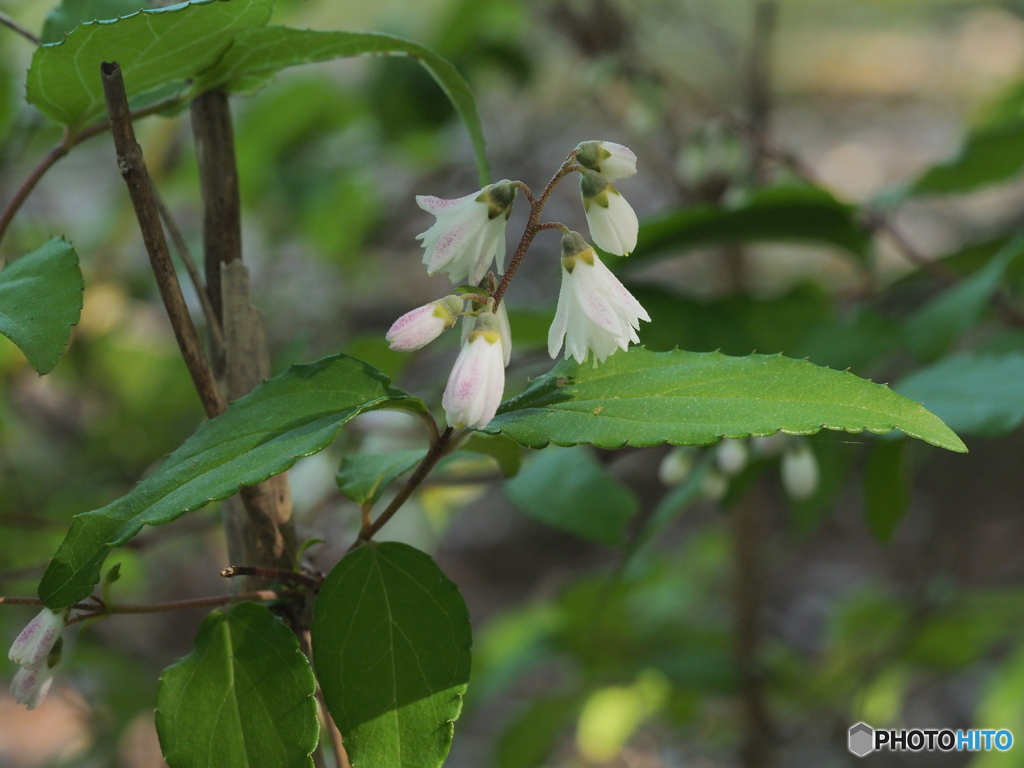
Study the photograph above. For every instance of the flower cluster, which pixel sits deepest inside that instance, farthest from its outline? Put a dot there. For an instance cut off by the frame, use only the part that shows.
(37, 651)
(596, 314)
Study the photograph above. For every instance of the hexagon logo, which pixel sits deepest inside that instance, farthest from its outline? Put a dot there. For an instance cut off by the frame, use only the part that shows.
(862, 739)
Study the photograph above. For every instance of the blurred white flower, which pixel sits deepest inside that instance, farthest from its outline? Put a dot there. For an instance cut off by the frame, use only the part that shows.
(595, 311)
(772, 445)
(30, 686)
(37, 639)
(611, 160)
(469, 232)
(613, 224)
(469, 323)
(799, 471)
(477, 380)
(422, 325)
(714, 485)
(731, 456)
(677, 465)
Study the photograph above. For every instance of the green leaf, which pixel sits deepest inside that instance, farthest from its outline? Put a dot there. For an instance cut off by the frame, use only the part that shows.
(571, 491)
(533, 735)
(787, 213)
(974, 394)
(934, 327)
(243, 698)
(886, 487)
(154, 48)
(643, 398)
(259, 53)
(363, 477)
(40, 299)
(68, 14)
(505, 451)
(292, 415)
(391, 640)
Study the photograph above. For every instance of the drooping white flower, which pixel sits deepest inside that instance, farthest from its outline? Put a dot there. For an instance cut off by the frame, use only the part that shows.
(613, 223)
(469, 232)
(595, 311)
(37, 639)
(799, 471)
(677, 465)
(477, 380)
(469, 323)
(422, 325)
(731, 456)
(611, 160)
(30, 686)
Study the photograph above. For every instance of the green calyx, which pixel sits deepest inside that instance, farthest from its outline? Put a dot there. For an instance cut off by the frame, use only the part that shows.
(499, 198)
(449, 309)
(590, 154)
(574, 247)
(594, 188)
(487, 322)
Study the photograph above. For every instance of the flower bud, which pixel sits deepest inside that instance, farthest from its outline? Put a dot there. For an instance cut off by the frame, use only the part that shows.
(469, 323)
(477, 380)
(30, 686)
(676, 466)
(35, 642)
(613, 224)
(731, 456)
(613, 161)
(800, 471)
(714, 486)
(422, 325)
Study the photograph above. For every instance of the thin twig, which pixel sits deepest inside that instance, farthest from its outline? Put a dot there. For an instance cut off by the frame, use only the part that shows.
(212, 321)
(98, 608)
(280, 574)
(133, 168)
(337, 744)
(10, 23)
(435, 454)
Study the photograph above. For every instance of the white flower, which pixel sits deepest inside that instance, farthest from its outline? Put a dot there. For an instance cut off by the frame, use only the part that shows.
(478, 378)
(30, 686)
(677, 465)
(469, 323)
(422, 325)
(731, 456)
(799, 471)
(611, 160)
(469, 232)
(595, 311)
(36, 640)
(613, 224)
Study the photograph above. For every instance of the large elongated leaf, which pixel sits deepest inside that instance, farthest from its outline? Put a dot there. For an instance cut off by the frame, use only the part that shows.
(40, 299)
(391, 640)
(642, 398)
(974, 394)
(262, 52)
(782, 214)
(243, 698)
(292, 415)
(154, 48)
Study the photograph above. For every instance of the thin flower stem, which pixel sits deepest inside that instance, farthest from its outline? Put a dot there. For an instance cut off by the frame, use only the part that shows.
(533, 225)
(553, 225)
(437, 452)
(279, 574)
(526, 191)
(10, 23)
(97, 608)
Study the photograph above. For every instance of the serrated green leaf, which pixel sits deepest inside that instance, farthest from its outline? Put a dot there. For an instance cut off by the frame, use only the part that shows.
(642, 398)
(569, 490)
(262, 434)
(391, 643)
(68, 14)
(506, 452)
(243, 698)
(363, 477)
(974, 394)
(40, 299)
(260, 53)
(934, 327)
(153, 47)
(787, 213)
(886, 487)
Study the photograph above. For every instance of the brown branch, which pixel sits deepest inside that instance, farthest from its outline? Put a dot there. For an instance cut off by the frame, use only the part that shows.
(10, 23)
(279, 574)
(99, 608)
(140, 187)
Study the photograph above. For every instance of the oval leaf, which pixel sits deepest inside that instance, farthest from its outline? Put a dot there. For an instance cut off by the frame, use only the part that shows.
(363, 477)
(292, 415)
(643, 398)
(243, 698)
(260, 53)
(391, 641)
(154, 47)
(40, 299)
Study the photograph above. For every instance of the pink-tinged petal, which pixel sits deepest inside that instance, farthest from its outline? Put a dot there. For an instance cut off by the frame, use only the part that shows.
(30, 686)
(593, 299)
(618, 291)
(621, 164)
(437, 205)
(416, 329)
(556, 333)
(35, 642)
